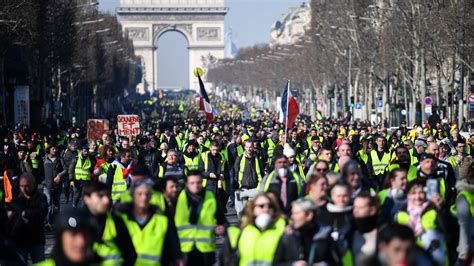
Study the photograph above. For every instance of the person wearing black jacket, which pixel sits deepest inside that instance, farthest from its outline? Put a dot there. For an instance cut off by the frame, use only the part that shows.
(307, 242)
(150, 156)
(214, 168)
(26, 216)
(16, 166)
(55, 173)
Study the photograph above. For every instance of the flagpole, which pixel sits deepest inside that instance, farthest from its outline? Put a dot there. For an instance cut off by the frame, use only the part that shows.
(287, 111)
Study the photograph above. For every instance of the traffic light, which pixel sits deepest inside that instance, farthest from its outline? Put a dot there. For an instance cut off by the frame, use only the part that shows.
(352, 102)
(450, 98)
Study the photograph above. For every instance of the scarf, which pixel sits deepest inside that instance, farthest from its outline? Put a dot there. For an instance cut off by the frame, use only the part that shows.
(415, 213)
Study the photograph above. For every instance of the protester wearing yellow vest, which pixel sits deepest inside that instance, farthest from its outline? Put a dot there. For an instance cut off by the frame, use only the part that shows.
(153, 233)
(119, 172)
(363, 153)
(312, 153)
(198, 219)
(402, 160)
(180, 141)
(422, 216)
(379, 160)
(80, 171)
(35, 153)
(191, 157)
(260, 234)
(112, 241)
(286, 184)
(270, 145)
(107, 157)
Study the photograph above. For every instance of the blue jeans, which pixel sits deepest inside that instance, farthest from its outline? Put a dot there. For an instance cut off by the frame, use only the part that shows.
(36, 252)
(53, 196)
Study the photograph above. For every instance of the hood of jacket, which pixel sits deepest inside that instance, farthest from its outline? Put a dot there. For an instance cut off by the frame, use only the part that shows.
(463, 185)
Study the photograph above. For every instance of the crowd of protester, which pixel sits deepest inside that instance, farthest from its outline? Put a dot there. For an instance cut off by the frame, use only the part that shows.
(325, 191)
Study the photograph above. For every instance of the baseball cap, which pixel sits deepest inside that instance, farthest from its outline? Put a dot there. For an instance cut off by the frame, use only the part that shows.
(420, 142)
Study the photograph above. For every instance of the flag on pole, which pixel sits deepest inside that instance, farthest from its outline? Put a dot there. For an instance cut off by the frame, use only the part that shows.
(289, 107)
(204, 104)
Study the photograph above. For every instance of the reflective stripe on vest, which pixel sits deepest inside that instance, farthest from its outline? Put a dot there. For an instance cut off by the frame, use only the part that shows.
(258, 248)
(271, 176)
(35, 161)
(149, 241)
(379, 165)
(201, 234)
(119, 185)
(108, 252)
(242, 168)
(81, 172)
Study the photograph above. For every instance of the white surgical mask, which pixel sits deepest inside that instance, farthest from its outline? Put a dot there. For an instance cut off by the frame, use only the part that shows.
(263, 220)
(282, 171)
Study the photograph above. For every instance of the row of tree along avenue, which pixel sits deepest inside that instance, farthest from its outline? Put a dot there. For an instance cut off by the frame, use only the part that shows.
(393, 59)
(62, 60)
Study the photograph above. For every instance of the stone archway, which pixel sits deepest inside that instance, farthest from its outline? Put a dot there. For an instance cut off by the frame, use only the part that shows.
(200, 21)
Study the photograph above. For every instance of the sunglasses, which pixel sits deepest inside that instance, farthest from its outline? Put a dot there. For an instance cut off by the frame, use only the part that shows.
(321, 169)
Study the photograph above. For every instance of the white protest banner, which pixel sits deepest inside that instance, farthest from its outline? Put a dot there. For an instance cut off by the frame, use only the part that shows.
(128, 125)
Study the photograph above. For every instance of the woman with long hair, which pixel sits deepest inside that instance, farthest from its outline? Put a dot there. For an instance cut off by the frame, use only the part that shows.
(105, 159)
(256, 241)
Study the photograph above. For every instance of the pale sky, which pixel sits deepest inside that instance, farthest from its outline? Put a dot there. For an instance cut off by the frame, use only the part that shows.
(250, 20)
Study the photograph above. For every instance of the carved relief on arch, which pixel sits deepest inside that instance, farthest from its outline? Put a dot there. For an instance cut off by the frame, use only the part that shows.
(186, 29)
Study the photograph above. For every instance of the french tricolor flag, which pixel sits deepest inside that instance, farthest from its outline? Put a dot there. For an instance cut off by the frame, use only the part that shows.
(204, 104)
(289, 109)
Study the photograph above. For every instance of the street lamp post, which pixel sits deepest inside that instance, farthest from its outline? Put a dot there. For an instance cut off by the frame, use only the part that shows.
(349, 82)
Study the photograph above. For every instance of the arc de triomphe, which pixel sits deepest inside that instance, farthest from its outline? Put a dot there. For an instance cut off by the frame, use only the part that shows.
(201, 22)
